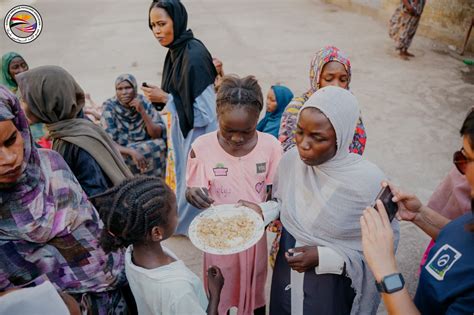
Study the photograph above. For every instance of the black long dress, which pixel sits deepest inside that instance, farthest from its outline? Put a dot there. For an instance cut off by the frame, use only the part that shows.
(323, 293)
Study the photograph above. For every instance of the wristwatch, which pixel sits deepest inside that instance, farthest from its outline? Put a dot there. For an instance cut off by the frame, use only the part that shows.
(391, 283)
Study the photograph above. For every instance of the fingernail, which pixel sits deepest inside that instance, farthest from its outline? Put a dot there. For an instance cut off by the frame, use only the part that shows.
(290, 250)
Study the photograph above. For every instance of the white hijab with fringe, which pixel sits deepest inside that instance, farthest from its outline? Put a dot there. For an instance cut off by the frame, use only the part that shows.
(339, 190)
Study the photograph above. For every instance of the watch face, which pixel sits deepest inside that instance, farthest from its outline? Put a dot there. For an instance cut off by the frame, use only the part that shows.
(393, 283)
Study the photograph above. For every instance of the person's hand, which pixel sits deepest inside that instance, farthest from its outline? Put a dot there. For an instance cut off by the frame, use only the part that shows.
(303, 258)
(219, 66)
(409, 206)
(135, 103)
(215, 281)
(139, 161)
(71, 303)
(92, 112)
(251, 205)
(377, 241)
(155, 94)
(199, 197)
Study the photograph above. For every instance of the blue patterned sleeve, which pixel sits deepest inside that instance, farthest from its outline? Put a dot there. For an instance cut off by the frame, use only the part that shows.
(107, 122)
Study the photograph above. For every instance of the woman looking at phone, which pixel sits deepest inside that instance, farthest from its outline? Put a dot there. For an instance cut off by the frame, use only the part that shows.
(446, 284)
(320, 191)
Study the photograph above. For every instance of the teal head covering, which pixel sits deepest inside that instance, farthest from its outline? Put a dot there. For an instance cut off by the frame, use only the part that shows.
(271, 122)
(5, 77)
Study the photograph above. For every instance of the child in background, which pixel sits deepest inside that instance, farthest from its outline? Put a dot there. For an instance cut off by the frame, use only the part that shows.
(139, 214)
(236, 162)
(277, 98)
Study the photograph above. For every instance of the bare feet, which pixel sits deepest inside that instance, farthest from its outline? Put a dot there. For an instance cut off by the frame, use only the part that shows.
(404, 55)
(409, 54)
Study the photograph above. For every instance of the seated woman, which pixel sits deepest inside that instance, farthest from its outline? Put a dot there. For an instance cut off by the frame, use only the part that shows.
(132, 122)
(321, 190)
(278, 98)
(12, 64)
(51, 95)
(49, 230)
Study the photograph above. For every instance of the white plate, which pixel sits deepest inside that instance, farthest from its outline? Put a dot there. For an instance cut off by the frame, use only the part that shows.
(223, 212)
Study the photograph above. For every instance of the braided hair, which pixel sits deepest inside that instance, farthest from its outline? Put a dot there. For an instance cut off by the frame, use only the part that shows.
(240, 92)
(131, 210)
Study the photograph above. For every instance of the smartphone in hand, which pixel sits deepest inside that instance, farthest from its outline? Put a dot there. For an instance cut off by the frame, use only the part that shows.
(158, 106)
(385, 195)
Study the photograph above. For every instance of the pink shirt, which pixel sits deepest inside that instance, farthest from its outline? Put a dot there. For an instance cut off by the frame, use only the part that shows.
(230, 179)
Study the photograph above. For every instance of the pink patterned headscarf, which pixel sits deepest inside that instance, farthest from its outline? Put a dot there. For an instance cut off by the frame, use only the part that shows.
(320, 59)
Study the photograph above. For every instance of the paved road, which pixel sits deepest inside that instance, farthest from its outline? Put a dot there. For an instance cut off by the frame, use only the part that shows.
(412, 110)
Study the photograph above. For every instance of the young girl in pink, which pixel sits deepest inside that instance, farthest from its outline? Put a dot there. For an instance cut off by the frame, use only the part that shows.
(234, 163)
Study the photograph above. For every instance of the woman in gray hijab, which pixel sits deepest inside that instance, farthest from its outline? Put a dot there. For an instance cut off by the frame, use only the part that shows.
(320, 192)
(50, 95)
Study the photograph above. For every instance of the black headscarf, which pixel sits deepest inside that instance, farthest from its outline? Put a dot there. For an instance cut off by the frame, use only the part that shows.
(188, 68)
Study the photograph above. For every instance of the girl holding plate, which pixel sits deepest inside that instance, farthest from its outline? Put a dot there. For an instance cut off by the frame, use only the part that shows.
(236, 162)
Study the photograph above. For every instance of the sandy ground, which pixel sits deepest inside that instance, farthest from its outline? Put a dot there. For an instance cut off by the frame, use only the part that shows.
(412, 110)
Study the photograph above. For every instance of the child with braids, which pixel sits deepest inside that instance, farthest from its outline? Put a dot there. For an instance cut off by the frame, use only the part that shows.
(139, 214)
(236, 163)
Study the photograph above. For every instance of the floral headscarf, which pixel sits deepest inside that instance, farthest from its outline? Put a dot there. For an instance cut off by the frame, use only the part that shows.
(320, 59)
(290, 115)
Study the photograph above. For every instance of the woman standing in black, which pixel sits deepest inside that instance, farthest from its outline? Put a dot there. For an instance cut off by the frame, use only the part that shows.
(187, 89)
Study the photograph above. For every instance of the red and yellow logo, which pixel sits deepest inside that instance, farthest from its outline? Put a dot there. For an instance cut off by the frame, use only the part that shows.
(23, 24)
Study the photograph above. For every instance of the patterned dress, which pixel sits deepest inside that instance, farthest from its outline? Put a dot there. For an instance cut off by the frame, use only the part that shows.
(127, 128)
(50, 230)
(403, 25)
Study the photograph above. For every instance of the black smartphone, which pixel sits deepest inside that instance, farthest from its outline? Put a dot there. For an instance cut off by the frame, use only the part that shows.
(386, 195)
(158, 106)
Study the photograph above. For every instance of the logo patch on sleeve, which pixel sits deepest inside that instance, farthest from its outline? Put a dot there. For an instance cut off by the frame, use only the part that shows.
(442, 261)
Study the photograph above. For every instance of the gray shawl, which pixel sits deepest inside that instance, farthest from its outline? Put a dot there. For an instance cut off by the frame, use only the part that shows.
(340, 188)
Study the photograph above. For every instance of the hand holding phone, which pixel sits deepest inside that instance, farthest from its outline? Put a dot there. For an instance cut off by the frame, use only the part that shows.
(158, 106)
(385, 195)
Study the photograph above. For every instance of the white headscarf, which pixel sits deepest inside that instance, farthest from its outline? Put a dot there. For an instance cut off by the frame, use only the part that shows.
(340, 189)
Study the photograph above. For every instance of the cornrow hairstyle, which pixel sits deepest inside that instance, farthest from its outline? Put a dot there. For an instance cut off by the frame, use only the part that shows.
(240, 92)
(131, 210)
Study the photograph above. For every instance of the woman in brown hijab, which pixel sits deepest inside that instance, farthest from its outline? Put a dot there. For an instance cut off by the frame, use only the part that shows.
(51, 95)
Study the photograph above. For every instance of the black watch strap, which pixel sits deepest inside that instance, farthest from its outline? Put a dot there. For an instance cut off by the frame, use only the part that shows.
(391, 283)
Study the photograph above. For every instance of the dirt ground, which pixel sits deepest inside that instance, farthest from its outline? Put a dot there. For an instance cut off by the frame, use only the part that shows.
(412, 110)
